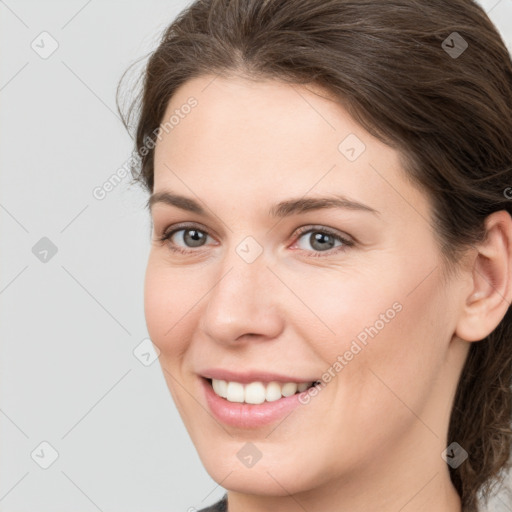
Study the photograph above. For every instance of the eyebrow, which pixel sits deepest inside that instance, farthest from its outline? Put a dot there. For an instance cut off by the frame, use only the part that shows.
(281, 209)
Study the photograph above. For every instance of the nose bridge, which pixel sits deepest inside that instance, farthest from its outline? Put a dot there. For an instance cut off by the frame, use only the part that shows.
(244, 270)
(240, 301)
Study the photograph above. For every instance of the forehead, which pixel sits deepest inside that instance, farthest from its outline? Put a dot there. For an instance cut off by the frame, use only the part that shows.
(276, 137)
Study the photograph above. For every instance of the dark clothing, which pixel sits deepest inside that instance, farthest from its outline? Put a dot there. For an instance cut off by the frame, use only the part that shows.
(220, 506)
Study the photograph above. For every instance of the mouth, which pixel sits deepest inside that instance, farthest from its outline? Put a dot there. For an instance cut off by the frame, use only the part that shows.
(256, 392)
(253, 404)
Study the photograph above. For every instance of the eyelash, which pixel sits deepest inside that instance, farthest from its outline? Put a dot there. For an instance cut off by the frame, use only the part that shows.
(301, 231)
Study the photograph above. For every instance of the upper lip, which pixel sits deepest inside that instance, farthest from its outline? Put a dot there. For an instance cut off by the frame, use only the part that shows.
(250, 376)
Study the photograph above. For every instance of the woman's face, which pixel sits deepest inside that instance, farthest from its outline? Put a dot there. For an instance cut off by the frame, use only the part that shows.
(354, 300)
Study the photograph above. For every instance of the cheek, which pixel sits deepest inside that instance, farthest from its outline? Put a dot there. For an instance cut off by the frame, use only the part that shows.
(386, 334)
(344, 308)
(399, 364)
(154, 304)
(164, 305)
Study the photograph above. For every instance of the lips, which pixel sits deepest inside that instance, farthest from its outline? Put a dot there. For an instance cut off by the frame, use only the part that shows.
(245, 415)
(254, 398)
(254, 376)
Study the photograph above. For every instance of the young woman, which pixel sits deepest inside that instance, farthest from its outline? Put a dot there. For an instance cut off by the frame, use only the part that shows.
(330, 272)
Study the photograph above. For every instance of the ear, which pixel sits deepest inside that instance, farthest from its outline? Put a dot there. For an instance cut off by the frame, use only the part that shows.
(491, 294)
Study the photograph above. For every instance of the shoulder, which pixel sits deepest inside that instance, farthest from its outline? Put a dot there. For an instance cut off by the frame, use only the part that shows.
(220, 506)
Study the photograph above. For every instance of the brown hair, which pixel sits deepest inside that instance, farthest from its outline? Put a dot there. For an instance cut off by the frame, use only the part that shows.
(396, 66)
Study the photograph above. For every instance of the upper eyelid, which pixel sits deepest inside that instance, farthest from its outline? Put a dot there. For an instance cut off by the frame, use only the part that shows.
(298, 232)
(200, 227)
(174, 228)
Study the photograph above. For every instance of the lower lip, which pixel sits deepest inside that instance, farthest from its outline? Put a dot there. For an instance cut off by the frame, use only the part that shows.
(244, 415)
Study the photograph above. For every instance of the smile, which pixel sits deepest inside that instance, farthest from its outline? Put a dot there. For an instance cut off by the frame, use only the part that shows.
(245, 405)
(256, 392)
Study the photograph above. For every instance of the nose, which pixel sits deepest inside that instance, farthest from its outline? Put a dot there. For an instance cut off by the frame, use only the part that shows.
(244, 302)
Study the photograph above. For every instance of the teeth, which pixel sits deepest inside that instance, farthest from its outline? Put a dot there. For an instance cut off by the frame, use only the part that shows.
(256, 392)
(273, 392)
(303, 386)
(235, 392)
(220, 387)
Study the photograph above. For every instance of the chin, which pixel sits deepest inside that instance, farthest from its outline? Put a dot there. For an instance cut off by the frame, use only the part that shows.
(265, 478)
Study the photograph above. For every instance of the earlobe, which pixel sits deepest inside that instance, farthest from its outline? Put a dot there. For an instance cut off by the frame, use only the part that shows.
(491, 293)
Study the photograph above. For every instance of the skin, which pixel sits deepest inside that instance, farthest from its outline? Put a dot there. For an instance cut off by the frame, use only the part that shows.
(373, 436)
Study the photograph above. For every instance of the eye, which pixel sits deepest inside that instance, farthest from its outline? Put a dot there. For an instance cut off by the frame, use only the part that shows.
(191, 235)
(321, 239)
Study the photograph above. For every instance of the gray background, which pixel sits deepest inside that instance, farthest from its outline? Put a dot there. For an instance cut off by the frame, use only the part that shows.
(70, 323)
